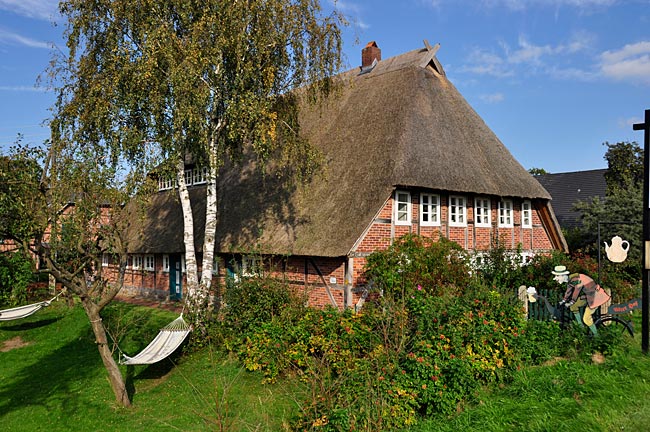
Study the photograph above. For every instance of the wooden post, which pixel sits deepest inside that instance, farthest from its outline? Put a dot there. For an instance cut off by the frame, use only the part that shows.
(646, 231)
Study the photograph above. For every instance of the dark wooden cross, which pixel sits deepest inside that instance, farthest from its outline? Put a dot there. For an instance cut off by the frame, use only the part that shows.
(645, 291)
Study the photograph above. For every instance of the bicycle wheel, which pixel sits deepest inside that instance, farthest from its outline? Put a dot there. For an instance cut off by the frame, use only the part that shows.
(615, 327)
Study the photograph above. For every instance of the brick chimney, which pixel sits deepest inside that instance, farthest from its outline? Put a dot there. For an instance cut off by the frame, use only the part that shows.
(369, 54)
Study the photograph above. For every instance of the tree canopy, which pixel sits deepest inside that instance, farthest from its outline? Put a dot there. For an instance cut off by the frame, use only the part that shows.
(621, 212)
(155, 83)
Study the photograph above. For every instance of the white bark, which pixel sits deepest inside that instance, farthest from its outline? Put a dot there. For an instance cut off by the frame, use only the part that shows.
(188, 233)
(210, 220)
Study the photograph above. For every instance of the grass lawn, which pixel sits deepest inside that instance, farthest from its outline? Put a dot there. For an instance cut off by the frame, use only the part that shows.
(52, 379)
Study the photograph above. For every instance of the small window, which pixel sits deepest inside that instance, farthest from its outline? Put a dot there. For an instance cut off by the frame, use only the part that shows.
(457, 211)
(137, 262)
(250, 266)
(215, 266)
(106, 260)
(429, 209)
(402, 208)
(188, 177)
(149, 263)
(526, 215)
(482, 212)
(505, 213)
(200, 175)
(183, 264)
(165, 265)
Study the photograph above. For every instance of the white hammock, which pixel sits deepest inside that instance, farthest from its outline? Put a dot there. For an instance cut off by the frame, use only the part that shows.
(27, 310)
(22, 311)
(169, 338)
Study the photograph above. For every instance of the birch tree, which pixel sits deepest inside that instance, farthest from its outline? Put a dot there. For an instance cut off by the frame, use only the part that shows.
(199, 79)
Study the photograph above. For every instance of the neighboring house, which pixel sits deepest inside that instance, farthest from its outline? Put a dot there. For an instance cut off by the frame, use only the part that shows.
(569, 188)
(404, 153)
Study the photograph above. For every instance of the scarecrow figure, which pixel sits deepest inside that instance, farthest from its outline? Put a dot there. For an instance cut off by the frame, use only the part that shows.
(581, 291)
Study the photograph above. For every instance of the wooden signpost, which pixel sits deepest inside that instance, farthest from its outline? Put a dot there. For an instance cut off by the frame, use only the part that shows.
(645, 126)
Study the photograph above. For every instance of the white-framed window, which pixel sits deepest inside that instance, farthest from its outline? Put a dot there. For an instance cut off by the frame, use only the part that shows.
(200, 175)
(505, 213)
(165, 183)
(457, 211)
(106, 259)
(188, 177)
(429, 209)
(215, 266)
(149, 263)
(250, 265)
(526, 214)
(402, 208)
(136, 262)
(482, 212)
(165, 264)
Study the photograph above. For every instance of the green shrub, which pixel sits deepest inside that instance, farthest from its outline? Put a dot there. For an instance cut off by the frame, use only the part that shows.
(16, 271)
(413, 260)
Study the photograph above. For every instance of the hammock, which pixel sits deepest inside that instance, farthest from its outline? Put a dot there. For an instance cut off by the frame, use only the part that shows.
(22, 311)
(27, 310)
(169, 338)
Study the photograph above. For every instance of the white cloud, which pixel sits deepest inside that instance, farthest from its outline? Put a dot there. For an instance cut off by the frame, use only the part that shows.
(46, 10)
(492, 98)
(627, 123)
(526, 54)
(23, 89)
(523, 4)
(632, 62)
(10, 38)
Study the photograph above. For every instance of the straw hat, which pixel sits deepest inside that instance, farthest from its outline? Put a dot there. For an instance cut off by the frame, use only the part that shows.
(560, 270)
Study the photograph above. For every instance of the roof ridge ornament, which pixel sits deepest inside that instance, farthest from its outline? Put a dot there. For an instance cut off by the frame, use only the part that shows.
(431, 59)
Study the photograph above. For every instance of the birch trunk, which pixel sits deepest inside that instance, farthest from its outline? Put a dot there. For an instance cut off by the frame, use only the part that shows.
(191, 271)
(210, 222)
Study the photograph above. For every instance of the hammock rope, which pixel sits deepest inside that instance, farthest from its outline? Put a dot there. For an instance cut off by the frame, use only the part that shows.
(26, 310)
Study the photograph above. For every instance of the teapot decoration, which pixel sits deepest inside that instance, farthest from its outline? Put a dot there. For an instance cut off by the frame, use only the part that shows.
(617, 252)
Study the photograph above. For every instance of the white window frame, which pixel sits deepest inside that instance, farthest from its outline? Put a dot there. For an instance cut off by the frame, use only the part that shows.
(215, 265)
(200, 175)
(457, 211)
(165, 183)
(482, 212)
(250, 266)
(106, 260)
(149, 262)
(505, 213)
(526, 214)
(136, 262)
(165, 263)
(430, 206)
(188, 177)
(397, 211)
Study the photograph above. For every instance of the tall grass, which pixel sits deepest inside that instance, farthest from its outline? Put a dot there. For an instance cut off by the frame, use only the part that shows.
(56, 381)
(564, 395)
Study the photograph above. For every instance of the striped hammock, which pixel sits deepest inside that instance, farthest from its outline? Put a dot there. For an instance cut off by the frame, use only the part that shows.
(167, 341)
(22, 311)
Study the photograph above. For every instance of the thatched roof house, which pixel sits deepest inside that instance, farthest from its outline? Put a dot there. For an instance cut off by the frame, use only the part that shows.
(397, 125)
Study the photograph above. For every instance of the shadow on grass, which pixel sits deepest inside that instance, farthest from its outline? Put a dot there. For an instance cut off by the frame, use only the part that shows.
(30, 324)
(151, 373)
(57, 378)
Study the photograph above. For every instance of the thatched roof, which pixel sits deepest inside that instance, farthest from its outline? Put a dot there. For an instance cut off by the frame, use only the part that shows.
(401, 124)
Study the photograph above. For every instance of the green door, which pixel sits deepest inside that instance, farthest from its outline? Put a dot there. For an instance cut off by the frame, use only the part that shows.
(175, 278)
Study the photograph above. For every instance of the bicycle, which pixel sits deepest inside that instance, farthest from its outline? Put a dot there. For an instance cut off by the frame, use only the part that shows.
(606, 323)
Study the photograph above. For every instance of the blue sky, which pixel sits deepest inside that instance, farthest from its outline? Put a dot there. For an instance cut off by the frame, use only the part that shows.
(554, 79)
